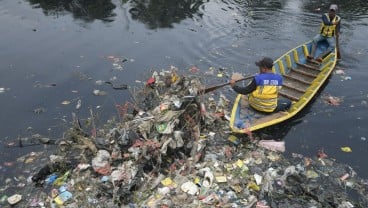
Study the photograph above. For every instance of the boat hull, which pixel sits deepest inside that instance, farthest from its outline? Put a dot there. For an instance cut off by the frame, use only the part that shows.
(302, 79)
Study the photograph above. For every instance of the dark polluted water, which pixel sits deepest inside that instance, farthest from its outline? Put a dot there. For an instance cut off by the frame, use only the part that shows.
(57, 53)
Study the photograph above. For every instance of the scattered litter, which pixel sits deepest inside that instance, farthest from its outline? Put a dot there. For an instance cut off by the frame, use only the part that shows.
(100, 82)
(193, 69)
(331, 100)
(190, 188)
(346, 149)
(117, 87)
(2, 89)
(63, 197)
(117, 62)
(65, 102)
(99, 92)
(321, 154)
(345, 176)
(79, 104)
(340, 71)
(273, 145)
(39, 110)
(171, 148)
(14, 199)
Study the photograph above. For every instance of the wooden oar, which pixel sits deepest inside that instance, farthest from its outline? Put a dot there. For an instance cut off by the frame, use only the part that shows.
(210, 89)
(338, 47)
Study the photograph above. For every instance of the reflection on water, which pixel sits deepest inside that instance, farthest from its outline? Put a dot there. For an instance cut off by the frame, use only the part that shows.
(163, 13)
(81, 9)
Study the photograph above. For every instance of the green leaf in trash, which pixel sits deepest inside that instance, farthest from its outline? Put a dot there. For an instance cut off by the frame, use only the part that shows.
(61, 180)
(161, 127)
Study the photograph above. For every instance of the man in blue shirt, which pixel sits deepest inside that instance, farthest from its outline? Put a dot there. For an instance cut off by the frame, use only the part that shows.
(263, 89)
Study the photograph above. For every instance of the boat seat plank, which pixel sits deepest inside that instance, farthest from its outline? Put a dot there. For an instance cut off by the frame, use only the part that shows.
(299, 78)
(305, 72)
(294, 88)
(290, 93)
(308, 66)
(313, 62)
(294, 83)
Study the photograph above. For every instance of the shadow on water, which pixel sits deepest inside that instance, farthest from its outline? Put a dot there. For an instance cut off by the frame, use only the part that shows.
(85, 10)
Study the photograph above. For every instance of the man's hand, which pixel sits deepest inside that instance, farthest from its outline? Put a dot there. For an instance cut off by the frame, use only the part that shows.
(235, 77)
(232, 82)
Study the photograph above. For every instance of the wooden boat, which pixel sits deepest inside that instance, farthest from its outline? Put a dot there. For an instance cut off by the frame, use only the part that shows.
(302, 78)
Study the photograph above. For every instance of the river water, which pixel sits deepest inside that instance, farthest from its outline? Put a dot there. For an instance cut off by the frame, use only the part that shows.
(55, 51)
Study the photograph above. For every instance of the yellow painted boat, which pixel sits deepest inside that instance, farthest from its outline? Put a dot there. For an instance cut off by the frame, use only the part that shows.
(302, 78)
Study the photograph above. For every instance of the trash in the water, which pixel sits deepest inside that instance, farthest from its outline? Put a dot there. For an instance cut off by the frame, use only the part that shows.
(117, 87)
(14, 199)
(172, 147)
(3, 89)
(65, 102)
(39, 110)
(190, 188)
(79, 104)
(346, 149)
(99, 92)
(321, 154)
(63, 197)
(273, 145)
(331, 100)
(345, 176)
(340, 71)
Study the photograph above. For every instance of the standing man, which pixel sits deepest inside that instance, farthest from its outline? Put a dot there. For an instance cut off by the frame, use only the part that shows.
(330, 27)
(263, 89)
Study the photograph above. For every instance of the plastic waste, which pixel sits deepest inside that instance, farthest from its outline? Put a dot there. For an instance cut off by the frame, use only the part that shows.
(163, 191)
(346, 149)
(63, 197)
(105, 178)
(101, 163)
(208, 179)
(190, 188)
(233, 139)
(51, 178)
(3, 199)
(258, 179)
(221, 179)
(167, 182)
(61, 180)
(231, 196)
(14, 199)
(273, 145)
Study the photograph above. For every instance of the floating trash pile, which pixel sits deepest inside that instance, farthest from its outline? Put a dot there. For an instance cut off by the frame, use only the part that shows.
(171, 147)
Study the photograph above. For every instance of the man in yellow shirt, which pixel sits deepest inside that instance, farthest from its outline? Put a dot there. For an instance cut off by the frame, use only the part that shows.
(263, 89)
(330, 28)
